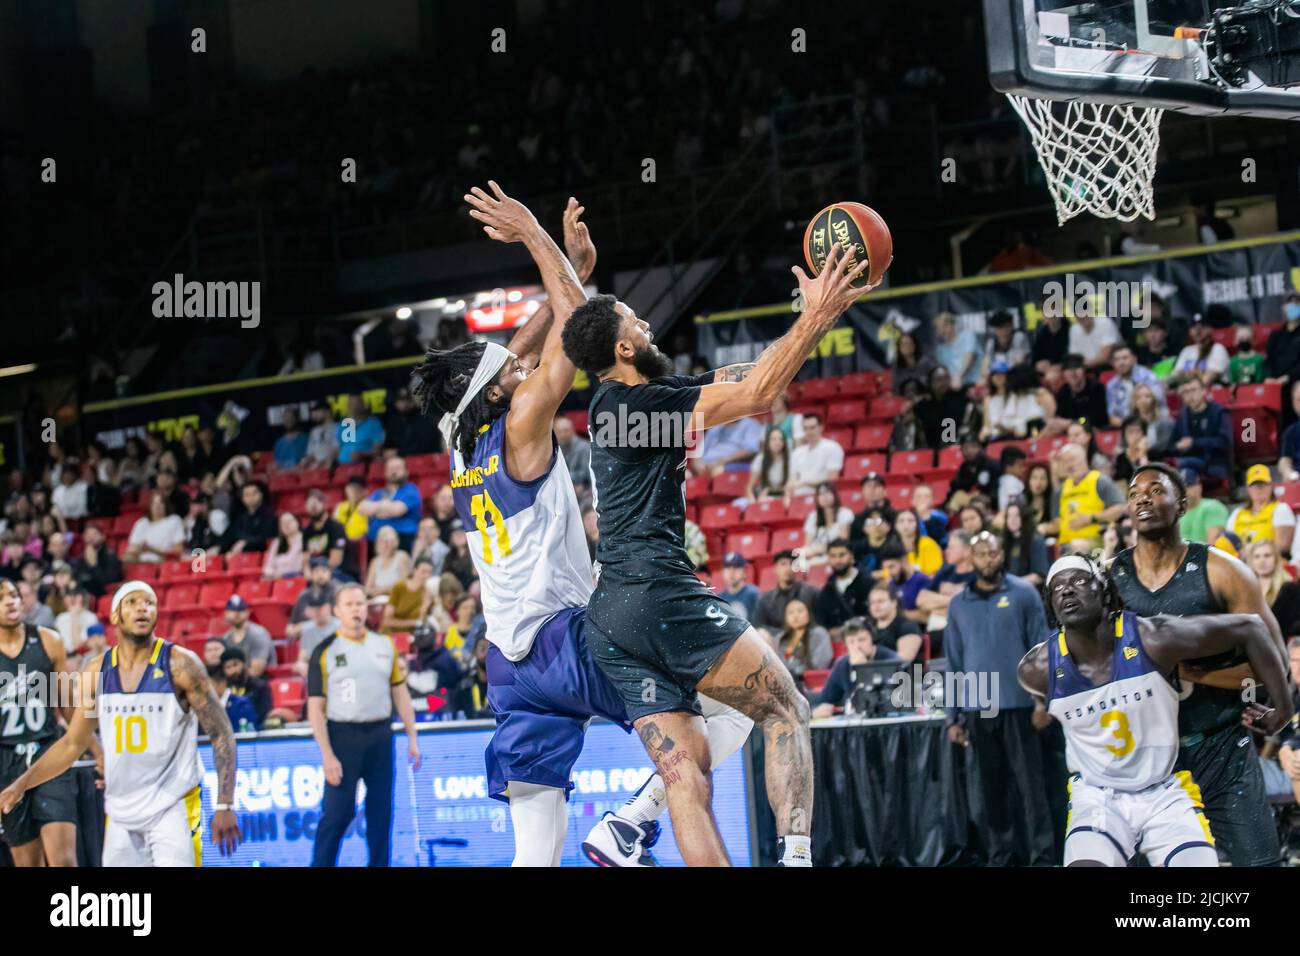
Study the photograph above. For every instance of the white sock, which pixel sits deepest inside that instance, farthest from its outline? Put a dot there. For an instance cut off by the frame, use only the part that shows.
(540, 818)
(727, 729)
(798, 850)
(646, 804)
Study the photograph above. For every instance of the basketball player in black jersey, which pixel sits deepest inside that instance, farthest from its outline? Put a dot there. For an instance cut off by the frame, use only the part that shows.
(42, 828)
(656, 631)
(1163, 574)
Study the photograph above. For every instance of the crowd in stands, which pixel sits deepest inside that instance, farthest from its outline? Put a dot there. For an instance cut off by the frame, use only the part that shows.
(842, 523)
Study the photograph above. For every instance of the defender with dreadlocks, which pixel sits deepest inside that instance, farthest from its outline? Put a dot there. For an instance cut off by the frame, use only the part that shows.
(513, 492)
(1163, 574)
(1110, 678)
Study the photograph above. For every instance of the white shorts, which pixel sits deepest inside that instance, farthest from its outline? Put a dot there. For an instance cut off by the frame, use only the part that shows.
(1166, 823)
(174, 839)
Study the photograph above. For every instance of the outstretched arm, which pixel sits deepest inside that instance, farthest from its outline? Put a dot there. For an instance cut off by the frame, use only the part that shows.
(537, 398)
(752, 391)
(527, 342)
(191, 678)
(1171, 640)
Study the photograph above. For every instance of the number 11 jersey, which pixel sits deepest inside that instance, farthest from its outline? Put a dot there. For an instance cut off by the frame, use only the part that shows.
(525, 538)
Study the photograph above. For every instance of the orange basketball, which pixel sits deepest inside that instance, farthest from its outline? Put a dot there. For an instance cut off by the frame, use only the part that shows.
(858, 229)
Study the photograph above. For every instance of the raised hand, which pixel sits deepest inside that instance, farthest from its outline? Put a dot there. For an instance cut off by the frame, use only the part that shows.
(504, 219)
(577, 240)
(832, 291)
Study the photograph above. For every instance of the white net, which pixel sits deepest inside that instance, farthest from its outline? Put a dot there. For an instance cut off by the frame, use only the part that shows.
(1098, 158)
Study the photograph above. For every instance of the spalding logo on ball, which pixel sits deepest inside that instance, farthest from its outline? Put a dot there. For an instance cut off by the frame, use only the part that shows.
(859, 230)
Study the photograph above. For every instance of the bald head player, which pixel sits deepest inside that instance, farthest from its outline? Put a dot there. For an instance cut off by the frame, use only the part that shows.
(1163, 574)
(1110, 678)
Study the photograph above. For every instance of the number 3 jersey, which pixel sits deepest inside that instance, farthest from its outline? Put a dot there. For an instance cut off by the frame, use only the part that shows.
(151, 752)
(1122, 734)
(525, 538)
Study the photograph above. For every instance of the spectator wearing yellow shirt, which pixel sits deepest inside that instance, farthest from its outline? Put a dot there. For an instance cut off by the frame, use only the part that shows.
(1265, 518)
(408, 600)
(355, 524)
(458, 635)
(1086, 500)
(923, 552)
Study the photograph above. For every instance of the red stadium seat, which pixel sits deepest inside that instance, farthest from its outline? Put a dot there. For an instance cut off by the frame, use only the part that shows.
(172, 571)
(900, 496)
(838, 649)
(910, 462)
(104, 606)
(800, 507)
(256, 591)
(697, 487)
(319, 477)
(286, 652)
(1262, 332)
(767, 578)
(885, 406)
(815, 680)
(1264, 395)
(289, 694)
(730, 484)
(950, 457)
(122, 525)
(351, 470)
(1108, 442)
(292, 502)
(719, 516)
(216, 626)
(141, 571)
(245, 563)
(180, 596)
(1254, 434)
(214, 596)
(872, 437)
(846, 412)
(851, 495)
(841, 436)
(766, 513)
(751, 544)
(1045, 447)
(857, 383)
(819, 390)
(1289, 493)
(273, 617)
(1222, 395)
(402, 641)
(858, 466)
(282, 481)
(287, 590)
(1226, 337)
(786, 539)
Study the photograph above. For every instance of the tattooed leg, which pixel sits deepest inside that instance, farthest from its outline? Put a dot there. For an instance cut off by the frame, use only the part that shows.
(749, 678)
(679, 747)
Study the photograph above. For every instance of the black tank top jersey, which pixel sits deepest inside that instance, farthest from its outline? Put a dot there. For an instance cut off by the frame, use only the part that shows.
(1187, 594)
(25, 715)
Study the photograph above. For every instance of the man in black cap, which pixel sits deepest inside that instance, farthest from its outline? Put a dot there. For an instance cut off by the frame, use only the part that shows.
(234, 667)
(253, 639)
(1157, 347)
(323, 537)
(873, 496)
(1080, 398)
(204, 526)
(319, 625)
(408, 431)
(320, 584)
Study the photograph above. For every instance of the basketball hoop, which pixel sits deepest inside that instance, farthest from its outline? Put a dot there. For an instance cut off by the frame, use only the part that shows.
(1097, 157)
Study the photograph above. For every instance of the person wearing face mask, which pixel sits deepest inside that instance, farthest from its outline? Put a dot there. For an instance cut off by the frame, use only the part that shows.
(1283, 351)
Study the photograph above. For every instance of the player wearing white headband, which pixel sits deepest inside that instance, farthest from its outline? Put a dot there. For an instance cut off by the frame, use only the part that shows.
(1110, 678)
(514, 494)
(151, 697)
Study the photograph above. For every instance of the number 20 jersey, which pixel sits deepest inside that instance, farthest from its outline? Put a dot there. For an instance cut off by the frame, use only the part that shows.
(1122, 734)
(525, 538)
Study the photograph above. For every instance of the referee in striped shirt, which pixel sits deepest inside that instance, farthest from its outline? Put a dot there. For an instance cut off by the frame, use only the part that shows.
(355, 680)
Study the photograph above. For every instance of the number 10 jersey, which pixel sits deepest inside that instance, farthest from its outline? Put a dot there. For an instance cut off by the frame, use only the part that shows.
(525, 538)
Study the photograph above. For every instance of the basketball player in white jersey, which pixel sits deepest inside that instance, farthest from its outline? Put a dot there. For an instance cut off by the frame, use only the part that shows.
(514, 494)
(149, 697)
(1110, 678)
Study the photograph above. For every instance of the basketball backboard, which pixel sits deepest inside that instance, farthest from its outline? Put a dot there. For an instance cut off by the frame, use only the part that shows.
(1208, 57)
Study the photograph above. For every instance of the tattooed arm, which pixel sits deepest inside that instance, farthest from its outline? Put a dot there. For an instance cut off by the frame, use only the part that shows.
(191, 679)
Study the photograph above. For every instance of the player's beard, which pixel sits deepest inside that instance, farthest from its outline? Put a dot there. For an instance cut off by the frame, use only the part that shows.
(651, 363)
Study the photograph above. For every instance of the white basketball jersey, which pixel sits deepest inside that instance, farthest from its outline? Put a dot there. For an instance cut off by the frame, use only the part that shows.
(1124, 733)
(151, 743)
(525, 538)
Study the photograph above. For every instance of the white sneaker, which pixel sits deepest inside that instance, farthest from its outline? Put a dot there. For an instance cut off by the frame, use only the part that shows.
(618, 842)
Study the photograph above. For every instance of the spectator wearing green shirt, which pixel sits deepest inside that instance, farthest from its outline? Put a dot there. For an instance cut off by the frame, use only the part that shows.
(1205, 518)
(1246, 367)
